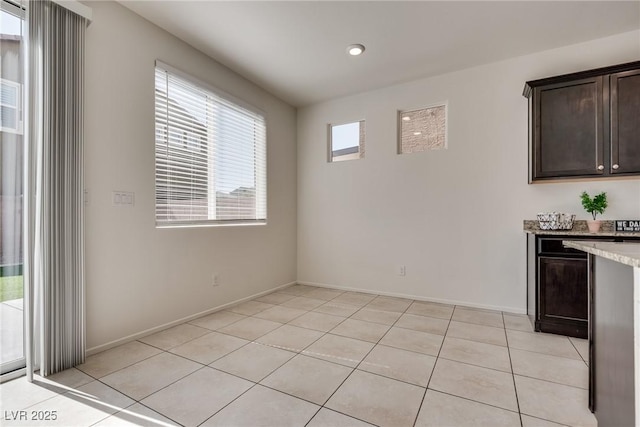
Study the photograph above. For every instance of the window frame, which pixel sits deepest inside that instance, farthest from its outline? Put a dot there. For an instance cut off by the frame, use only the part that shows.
(361, 122)
(445, 144)
(19, 129)
(236, 102)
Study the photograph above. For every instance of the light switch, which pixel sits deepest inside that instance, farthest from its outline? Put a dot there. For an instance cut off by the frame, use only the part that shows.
(123, 198)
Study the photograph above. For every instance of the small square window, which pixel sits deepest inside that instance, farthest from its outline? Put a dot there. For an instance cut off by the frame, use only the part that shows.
(346, 142)
(422, 130)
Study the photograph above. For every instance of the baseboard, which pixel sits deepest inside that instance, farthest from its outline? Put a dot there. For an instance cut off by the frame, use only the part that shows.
(418, 298)
(13, 375)
(133, 337)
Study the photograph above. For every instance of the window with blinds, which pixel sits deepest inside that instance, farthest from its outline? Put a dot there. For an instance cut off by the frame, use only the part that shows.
(10, 111)
(210, 155)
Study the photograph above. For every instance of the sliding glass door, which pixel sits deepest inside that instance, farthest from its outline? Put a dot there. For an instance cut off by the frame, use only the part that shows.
(11, 186)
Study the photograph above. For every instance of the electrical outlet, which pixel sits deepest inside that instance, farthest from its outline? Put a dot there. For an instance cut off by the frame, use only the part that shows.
(215, 279)
(402, 270)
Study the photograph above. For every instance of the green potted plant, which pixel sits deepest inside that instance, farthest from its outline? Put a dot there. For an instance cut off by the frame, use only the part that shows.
(594, 206)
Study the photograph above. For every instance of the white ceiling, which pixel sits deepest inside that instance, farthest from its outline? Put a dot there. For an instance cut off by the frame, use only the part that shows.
(297, 49)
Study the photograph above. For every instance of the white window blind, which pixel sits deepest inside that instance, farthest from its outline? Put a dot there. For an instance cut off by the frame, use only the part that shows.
(210, 155)
(10, 111)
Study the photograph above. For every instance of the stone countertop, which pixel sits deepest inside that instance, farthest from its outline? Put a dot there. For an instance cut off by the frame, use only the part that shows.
(579, 229)
(624, 253)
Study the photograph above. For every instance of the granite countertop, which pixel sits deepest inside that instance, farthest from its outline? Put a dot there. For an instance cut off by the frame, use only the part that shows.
(579, 229)
(624, 253)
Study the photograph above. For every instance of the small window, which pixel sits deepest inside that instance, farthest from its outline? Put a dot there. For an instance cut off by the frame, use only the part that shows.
(346, 142)
(422, 130)
(210, 155)
(10, 114)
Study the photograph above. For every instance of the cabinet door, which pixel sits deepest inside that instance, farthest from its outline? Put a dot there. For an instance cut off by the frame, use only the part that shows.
(563, 289)
(625, 122)
(568, 129)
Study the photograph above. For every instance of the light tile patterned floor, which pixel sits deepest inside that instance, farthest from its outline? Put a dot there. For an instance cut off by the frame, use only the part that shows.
(11, 319)
(307, 356)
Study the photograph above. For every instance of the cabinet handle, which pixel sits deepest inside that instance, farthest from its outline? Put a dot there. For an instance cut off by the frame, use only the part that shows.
(601, 167)
(616, 166)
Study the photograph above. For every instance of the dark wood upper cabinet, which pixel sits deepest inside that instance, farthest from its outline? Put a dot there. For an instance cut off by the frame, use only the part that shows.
(572, 147)
(625, 122)
(585, 125)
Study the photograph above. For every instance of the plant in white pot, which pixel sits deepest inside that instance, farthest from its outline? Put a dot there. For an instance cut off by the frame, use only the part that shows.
(594, 206)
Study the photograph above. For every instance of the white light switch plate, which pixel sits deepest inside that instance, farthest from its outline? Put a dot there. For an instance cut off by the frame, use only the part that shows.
(123, 198)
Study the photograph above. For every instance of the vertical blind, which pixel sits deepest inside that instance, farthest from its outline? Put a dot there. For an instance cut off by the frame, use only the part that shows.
(210, 155)
(55, 273)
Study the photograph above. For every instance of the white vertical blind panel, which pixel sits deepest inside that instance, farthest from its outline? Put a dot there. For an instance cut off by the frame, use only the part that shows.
(210, 156)
(56, 230)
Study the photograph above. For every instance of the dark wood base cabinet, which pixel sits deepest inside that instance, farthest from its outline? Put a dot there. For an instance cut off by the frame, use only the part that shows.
(558, 287)
(564, 306)
(558, 281)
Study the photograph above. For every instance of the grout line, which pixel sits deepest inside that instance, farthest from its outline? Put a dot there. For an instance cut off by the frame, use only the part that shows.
(244, 316)
(151, 409)
(245, 313)
(434, 368)
(393, 379)
(547, 354)
(578, 351)
(346, 415)
(475, 365)
(474, 401)
(551, 382)
(513, 376)
(256, 338)
(320, 405)
(228, 404)
(477, 324)
(162, 388)
(140, 400)
(182, 343)
(559, 424)
(365, 356)
(314, 415)
(124, 367)
(293, 354)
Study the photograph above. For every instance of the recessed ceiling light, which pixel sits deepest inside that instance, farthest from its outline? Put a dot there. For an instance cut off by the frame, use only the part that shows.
(417, 133)
(355, 49)
(406, 118)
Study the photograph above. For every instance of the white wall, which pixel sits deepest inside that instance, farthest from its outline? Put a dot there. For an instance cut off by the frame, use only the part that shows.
(140, 277)
(453, 217)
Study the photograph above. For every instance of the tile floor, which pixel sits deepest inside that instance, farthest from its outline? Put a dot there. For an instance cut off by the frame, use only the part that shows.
(307, 356)
(11, 322)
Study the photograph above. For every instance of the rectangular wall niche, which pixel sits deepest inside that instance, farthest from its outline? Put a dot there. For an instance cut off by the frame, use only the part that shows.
(422, 130)
(346, 141)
